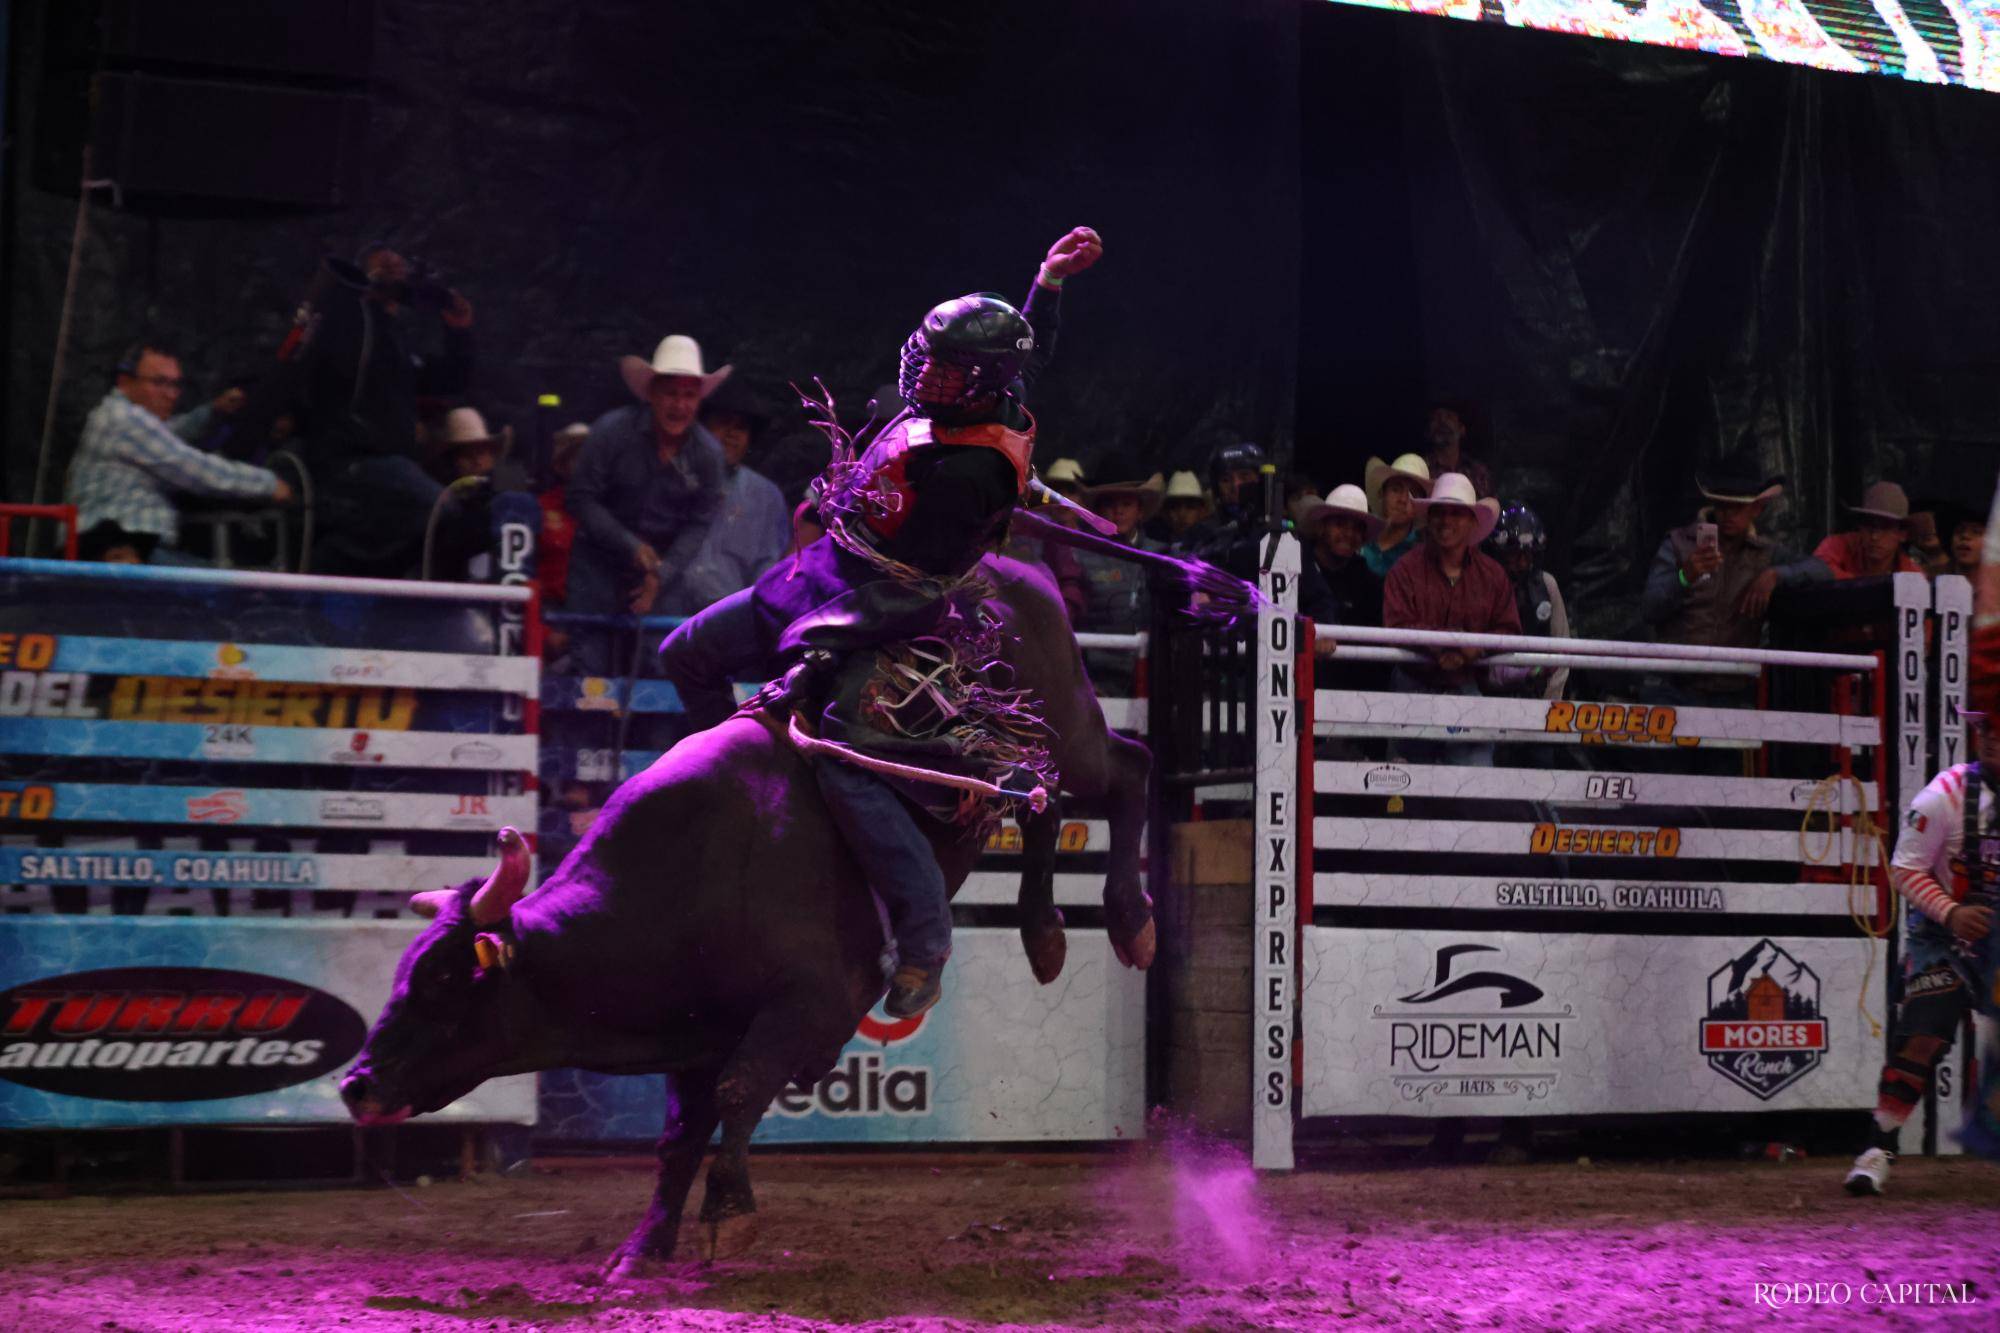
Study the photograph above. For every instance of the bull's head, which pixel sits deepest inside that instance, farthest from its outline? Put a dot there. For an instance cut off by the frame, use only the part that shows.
(442, 1033)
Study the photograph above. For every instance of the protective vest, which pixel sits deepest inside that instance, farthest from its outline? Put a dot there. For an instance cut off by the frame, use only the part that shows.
(887, 458)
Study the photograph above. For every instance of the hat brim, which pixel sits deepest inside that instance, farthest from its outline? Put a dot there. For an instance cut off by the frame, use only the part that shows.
(1150, 493)
(1877, 513)
(639, 376)
(1771, 491)
(1312, 513)
(1378, 475)
(504, 440)
(1485, 514)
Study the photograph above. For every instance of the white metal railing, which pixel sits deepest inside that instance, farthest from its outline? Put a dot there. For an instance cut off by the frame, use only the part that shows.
(1570, 649)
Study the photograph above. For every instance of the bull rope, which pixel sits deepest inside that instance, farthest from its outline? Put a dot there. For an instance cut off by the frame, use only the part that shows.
(1038, 799)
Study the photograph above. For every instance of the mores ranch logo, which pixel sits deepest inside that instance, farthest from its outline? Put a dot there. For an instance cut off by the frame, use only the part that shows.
(172, 1034)
(1763, 1030)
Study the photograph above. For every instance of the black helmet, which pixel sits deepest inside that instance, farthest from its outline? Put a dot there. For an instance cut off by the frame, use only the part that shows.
(1245, 457)
(1519, 529)
(981, 335)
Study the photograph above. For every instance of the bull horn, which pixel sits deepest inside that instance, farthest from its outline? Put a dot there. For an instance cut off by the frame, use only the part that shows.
(431, 901)
(509, 880)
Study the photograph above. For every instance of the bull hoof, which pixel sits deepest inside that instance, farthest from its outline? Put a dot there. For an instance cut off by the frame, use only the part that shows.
(730, 1238)
(1137, 952)
(1047, 947)
(631, 1265)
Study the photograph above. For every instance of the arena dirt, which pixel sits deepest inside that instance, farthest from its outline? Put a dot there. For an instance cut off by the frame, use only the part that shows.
(1130, 1241)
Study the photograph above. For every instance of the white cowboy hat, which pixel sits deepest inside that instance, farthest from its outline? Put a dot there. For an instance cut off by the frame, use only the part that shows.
(1185, 486)
(1064, 472)
(463, 426)
(1411, 467)
(677, 354)
(1347, 501)
(1454, 489)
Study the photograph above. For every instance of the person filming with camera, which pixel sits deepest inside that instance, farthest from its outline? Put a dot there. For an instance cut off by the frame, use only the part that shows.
(364, 380)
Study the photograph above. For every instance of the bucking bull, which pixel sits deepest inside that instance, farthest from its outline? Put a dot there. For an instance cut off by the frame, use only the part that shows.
(712, 926)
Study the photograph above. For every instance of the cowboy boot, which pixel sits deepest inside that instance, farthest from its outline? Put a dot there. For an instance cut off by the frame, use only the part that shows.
(914, 989)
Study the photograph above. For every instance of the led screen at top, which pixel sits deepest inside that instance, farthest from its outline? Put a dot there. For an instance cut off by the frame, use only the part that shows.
(1931, 41)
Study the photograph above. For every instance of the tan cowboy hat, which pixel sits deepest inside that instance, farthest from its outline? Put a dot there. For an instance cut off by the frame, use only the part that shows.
(1885, 499)
(1348, 501)
(1738, 487)
(1410, 467)
(677, 354)
(1185, 486)
(463, 427)
(1150, 492)
(1454, 489)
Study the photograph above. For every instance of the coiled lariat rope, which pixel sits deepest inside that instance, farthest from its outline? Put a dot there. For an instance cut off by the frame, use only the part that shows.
(1868, 835)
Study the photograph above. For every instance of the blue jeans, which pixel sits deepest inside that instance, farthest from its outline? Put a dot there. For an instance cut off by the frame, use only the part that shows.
(711, 648)
(895, 856)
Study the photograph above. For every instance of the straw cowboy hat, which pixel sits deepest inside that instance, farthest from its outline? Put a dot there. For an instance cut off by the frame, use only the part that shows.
(1734, 486)
(1185, 486)
(464, 427)
(1150, 492)
(1065, 474)
(677, 354)
(1454, 490)
(1411, 467)
(1348, 501)
(1885, 499)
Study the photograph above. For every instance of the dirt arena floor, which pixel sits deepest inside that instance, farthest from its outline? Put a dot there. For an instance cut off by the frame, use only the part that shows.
(1149, 1239)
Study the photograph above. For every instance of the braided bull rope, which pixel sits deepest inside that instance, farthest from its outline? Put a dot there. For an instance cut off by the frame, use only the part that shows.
(1038, 799)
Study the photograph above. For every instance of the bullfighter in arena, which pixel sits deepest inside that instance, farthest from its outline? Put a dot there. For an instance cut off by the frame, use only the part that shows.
(1944, 867)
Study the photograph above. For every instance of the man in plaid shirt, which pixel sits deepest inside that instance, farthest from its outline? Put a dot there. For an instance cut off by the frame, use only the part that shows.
(132, 462)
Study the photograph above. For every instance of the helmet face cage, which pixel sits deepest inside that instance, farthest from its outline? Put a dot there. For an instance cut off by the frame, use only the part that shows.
(974, 348)
(1236, 457)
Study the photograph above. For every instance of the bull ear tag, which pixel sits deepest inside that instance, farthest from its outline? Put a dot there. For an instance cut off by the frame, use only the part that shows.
(492, 951)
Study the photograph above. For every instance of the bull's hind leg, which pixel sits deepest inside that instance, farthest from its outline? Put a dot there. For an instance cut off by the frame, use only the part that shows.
(691, 1117)
(790, 1034)
(1128, 909)
(1041, 920)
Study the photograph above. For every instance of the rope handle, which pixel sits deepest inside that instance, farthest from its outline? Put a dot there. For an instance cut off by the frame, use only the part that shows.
(1038, 799)
(1826, 792)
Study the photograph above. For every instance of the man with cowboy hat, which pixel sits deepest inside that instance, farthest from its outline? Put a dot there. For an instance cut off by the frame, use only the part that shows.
(1712, 579)
(1114, 590)
(1448, 583)
(646, 490)
(1337, 587)
(463, 446)
(753, 525)
(1393, 490)
(1875, 547)
(1186, 506)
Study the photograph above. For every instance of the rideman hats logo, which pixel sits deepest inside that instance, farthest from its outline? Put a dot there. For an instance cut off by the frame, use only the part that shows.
(172, 1034)
(1474, 1031)
(1763, 1031)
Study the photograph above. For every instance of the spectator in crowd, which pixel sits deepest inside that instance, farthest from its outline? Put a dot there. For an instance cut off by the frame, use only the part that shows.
(1875, 546)
(134, 460)
(1186, 506)
(463, 454)
(464, 449)
(558, 527)
(1114, 590)
(1337, 587)
(1448, 583)
(363, 379)
(1393, 490)
(1964, 534)
(645, 493)
(1445, 434)
(1518, 542)
(752, 526)
(1065, 478)
(1711, 583)
(1228, 538)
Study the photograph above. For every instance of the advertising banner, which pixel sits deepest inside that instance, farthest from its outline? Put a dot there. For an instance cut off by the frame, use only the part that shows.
(999, 1059)
(304, 871)
(1469, 1023)
(1565, 722)
(197, 1021)
(1595, 788)
(114, 803)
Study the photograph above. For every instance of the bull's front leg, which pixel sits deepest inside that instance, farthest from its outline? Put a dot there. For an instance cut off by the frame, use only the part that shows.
(691, 1117)
(1128, 909)
(1041, 920)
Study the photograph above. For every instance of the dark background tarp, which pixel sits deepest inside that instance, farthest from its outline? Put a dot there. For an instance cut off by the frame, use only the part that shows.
(1629, 260)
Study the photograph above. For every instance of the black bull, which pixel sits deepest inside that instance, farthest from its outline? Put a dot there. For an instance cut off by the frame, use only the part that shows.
(712, 926)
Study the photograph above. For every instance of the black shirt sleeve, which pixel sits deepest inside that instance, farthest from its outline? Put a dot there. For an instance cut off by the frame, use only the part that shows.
(962, 490)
